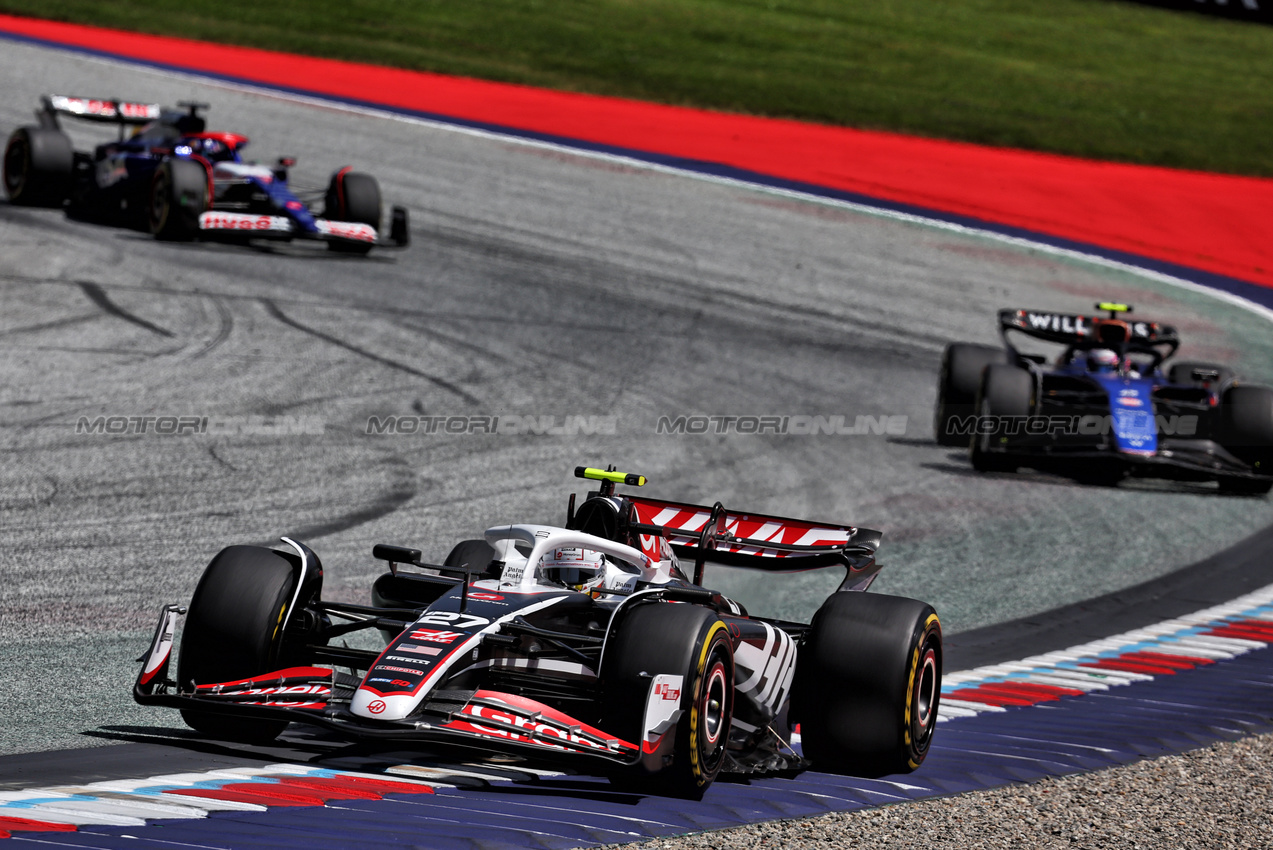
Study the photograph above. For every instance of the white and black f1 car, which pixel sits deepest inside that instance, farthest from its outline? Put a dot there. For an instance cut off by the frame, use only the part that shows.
(592, 643)
(173, 176)
(1106, 407)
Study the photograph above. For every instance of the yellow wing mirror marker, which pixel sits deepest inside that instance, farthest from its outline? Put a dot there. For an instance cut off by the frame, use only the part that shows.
(629, 478)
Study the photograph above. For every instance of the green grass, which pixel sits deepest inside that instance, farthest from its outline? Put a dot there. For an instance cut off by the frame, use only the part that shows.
(1094, 78)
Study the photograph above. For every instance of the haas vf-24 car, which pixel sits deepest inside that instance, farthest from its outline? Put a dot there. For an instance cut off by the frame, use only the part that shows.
(593, 644)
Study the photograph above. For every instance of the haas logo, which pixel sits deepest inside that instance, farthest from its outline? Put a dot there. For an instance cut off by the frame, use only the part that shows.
(667, 692)
(376, 706)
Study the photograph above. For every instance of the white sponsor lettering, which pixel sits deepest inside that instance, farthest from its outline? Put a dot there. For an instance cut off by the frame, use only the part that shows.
(241, 222)
(104, 108)
(534, 732)
(1057, 323)
(347, 230)
(453, 619)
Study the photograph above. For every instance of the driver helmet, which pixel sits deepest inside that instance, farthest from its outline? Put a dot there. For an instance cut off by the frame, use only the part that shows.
(214, 150)
(1102, 360)
(574, 567)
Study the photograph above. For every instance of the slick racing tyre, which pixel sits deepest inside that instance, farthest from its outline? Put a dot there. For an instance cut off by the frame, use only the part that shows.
(352, 196)
(868, 684)
(1005, 391)
(680, 640)
(961, 366)
(38, 165)
(179, 194)
(233, 631)
(1246, 430)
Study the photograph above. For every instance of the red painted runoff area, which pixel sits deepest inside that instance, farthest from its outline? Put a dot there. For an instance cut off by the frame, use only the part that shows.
(1216, 223)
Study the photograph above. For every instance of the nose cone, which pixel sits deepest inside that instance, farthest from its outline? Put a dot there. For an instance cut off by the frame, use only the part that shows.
(375, 706)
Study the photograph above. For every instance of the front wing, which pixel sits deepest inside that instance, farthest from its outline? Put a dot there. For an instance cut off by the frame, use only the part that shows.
(484, 720)
(1184, 459)
(261, 226)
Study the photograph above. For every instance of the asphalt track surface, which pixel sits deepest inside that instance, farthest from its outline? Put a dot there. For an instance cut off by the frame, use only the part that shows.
(1202, 226)
(539, 283)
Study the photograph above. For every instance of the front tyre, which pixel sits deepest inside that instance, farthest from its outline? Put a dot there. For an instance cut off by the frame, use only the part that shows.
(1004, 396)
(179, 194)
(1246, 430)
(38, 165)
(353, 196)
(233, 631)
(868, 684)
(679, 640)
(962, 365)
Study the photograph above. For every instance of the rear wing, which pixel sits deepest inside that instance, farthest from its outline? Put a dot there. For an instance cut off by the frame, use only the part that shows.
(1075, 329)
(757, 541)
(94, 109)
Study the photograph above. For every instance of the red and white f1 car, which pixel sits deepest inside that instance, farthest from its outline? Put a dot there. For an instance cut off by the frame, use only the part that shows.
(592, 643)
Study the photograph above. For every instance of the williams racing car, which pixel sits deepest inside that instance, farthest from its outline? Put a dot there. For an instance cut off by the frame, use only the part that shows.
(173, 176)
(1106, 407)
(592, 644)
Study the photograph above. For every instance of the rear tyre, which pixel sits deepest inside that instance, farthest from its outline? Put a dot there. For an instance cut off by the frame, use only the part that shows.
(233, 631)
(868, 684)
(1005, 391)
(682, 640)
(1182, 373)
(352, 196)
(178, 196)
(38, 165)
(961, 366)
(1246, 430)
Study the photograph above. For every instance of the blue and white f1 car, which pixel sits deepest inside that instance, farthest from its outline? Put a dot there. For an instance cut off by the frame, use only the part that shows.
(182, 182)
(1106, 406)
(592, 644)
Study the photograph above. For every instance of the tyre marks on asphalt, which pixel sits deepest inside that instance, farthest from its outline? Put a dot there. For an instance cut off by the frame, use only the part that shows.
(331, 339)
(98, 296)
